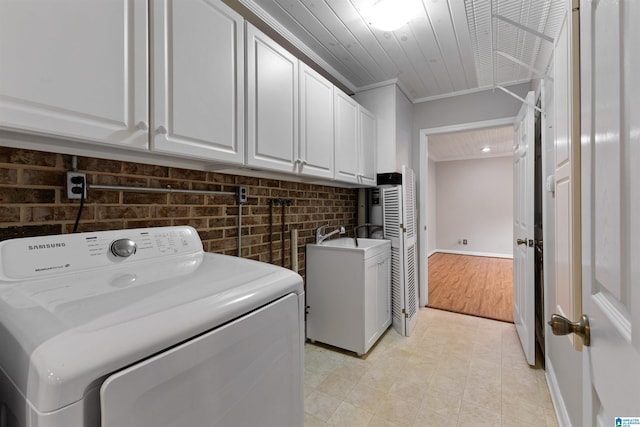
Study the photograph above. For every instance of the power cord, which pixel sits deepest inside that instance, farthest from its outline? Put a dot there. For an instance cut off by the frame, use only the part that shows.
(78, 180)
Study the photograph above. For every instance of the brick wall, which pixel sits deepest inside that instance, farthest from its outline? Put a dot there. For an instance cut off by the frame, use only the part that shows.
(33, 202)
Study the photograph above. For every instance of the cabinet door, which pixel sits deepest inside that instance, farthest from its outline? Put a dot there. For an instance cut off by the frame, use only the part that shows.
(198, 80)
(371, 285)
(377, 298)
(367, 147)
(383, 282)
(272, 104)
(346, 137)
(75, 69)
(316, 124)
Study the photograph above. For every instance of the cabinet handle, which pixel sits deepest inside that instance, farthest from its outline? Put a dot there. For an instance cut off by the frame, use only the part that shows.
(162, 130)
(142, 125)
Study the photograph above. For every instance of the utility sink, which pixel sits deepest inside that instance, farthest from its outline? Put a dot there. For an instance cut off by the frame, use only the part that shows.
(348, 292)
(368, 247)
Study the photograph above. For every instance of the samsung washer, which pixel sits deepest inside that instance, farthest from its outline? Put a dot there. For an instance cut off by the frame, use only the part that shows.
(142, 328)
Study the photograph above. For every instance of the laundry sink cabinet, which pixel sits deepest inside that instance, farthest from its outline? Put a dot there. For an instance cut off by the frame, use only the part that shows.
(348, 292)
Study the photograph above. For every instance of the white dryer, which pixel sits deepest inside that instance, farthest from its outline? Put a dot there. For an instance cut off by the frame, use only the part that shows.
(142, 328)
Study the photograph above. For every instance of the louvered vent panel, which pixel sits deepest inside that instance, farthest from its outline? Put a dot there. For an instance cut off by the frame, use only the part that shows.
(409, 185)
(412, 291)
(391, 206)
(392, 211)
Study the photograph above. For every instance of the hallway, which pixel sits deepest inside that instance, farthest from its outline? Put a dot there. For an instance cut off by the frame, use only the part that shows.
(454, 370)
(476, 285)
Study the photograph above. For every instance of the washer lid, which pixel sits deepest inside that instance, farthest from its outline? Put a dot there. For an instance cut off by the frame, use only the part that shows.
(62, 333)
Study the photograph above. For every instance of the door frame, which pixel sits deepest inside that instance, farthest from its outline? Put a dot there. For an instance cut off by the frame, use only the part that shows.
(423, 191)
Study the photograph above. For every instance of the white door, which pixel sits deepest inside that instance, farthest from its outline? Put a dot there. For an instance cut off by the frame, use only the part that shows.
(566, 124)
(75, 69)
(272, 104)
(399, 220)
(198, 80)
(315, 157)
(392, 220)
(410, 249)
(346, 137)
(367, 148)
(523, 250)
(610, 121)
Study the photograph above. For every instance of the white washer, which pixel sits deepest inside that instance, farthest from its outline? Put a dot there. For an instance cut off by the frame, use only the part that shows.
(142, 328)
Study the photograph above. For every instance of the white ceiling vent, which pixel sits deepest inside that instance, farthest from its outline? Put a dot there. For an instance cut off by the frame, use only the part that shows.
(512, 40)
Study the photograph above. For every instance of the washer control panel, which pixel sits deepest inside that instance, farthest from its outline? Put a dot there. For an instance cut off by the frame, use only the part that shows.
(123, 247)
(33, 257)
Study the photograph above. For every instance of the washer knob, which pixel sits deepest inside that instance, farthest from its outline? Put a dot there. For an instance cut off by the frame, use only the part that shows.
(123, 247)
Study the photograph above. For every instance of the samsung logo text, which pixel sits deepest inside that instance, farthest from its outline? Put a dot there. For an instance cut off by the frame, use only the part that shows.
(46, 246)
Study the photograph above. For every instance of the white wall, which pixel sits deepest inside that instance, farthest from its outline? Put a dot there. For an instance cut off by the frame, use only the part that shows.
(474, 201)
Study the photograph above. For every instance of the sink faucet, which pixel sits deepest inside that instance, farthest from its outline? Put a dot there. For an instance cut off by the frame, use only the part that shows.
(320, 237)
(355, 230)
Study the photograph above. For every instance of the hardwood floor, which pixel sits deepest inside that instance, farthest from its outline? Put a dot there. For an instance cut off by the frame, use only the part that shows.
(480, 286)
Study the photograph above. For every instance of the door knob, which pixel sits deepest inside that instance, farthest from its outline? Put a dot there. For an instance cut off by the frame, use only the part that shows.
(562, 326)
(525, 242)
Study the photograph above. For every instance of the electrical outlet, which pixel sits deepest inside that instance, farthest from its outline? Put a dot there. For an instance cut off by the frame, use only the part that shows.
(242, 194)
(74, 185)
(464, 241)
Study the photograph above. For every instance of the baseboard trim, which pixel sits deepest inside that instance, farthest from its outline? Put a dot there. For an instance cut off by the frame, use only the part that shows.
(487, 254)
(562, 416)
(432, 252)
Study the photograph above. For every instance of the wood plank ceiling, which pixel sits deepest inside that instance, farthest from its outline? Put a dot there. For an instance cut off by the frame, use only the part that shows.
(448, 46)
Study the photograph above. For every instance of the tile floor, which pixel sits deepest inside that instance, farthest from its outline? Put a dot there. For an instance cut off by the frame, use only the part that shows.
(453, 370)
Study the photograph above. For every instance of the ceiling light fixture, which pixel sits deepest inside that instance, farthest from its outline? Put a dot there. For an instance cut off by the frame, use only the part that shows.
(485, 149)
(389, 15)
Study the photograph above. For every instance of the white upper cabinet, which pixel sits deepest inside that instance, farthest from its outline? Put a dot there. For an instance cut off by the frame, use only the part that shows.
(346, 137)
(355, 142)
(181, 79)
(198, 80)
(393, 112)
(315, 155)
(75, 69)
(368, 147)
(272, 104)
